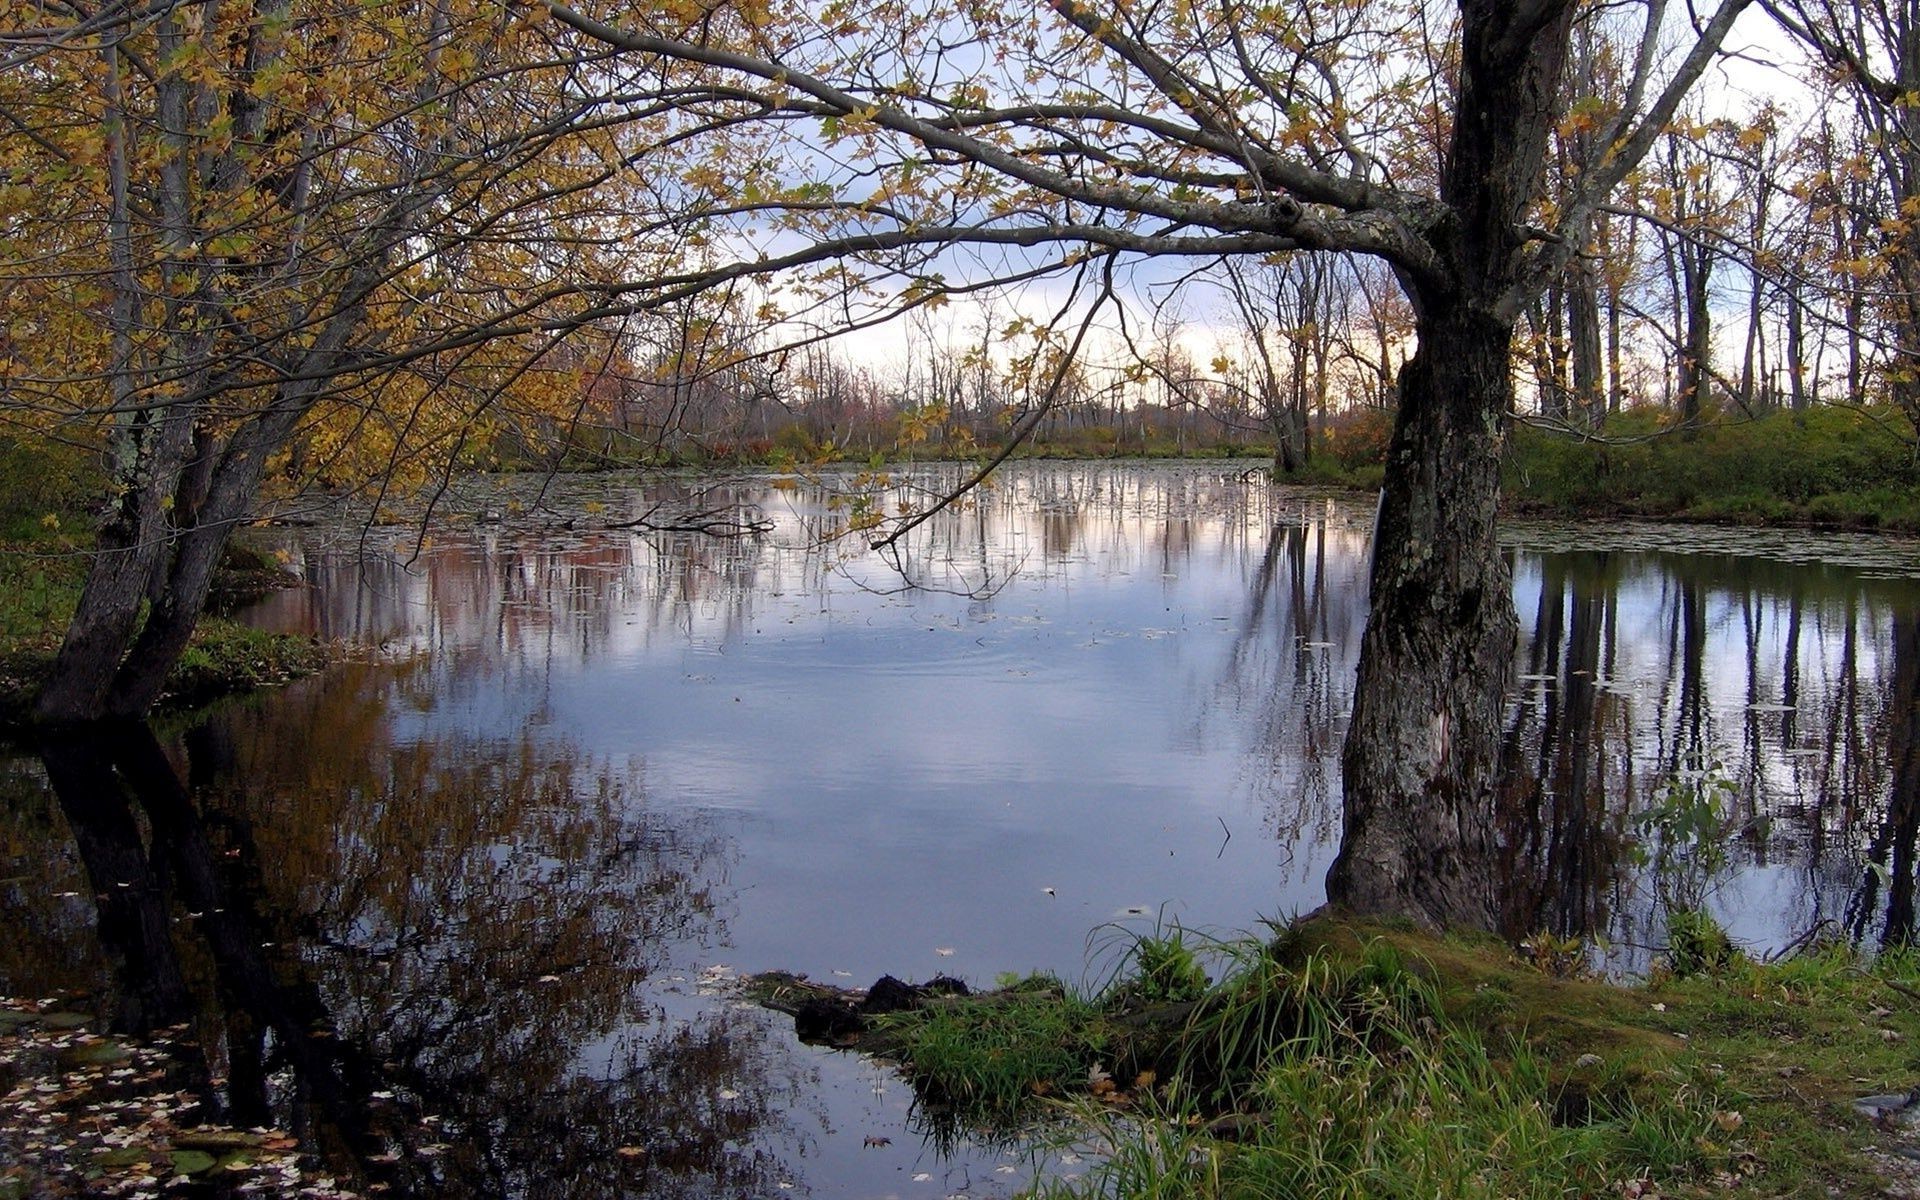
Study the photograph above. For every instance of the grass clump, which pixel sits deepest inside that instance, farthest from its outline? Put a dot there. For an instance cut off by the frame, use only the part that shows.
(984, 1058)
(1341, 1059)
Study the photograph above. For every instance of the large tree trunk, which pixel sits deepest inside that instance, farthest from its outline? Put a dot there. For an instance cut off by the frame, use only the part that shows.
(1288, 419)
(1422, 754)
(212, 505)
(1696, 354)
(113, 662)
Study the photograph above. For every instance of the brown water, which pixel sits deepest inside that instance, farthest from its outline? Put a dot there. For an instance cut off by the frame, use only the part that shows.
(596, 771)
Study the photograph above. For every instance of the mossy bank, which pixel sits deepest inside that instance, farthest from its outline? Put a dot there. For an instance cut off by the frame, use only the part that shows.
(1342, 1059)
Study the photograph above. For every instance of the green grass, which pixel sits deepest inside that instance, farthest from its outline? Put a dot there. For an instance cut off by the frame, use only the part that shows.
(984, 1059)
(1338, 1059)
(1828, 466)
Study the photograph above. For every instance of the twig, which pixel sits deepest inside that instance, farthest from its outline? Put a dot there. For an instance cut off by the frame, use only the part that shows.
(712, 522)
(1800, 943)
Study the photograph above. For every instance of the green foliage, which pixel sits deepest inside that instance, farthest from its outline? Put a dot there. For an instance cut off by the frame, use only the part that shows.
(1560, 957)
(1826, 466)
(1685, 837)
(1160, 966)
(38, 589)
(1340, 1073)
(1168, 970)
(48, 490)
(225, 658)
(1697, 945)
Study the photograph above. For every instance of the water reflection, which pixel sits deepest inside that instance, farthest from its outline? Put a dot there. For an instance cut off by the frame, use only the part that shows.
(1890, 863)
(428, 960)
(1183, 637)
(604, 758)
(1783, 679)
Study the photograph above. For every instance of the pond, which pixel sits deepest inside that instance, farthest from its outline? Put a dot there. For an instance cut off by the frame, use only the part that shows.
(591, 769)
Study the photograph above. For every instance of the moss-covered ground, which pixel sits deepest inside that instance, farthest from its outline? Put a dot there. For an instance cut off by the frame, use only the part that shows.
(1344, 1059)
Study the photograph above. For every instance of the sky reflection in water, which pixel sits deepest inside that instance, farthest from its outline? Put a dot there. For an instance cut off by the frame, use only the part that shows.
(609, 764)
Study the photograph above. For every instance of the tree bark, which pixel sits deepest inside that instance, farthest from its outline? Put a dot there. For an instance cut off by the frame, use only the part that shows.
(1583, 317)
(1422, 756)
(1421, 761)
(1696, 355)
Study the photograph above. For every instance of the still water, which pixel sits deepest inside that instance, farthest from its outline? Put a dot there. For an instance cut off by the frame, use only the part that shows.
(589, 770)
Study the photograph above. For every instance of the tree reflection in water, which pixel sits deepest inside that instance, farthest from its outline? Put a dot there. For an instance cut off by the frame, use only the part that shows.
(1793, 682)
(1798, 683)
(486, 921)
(427, 959)
(1890, 855)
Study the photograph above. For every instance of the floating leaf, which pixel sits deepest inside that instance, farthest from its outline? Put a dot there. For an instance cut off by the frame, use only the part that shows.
(192, 1162)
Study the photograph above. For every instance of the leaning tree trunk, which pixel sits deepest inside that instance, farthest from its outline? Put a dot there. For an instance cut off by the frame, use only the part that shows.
(1421, 760)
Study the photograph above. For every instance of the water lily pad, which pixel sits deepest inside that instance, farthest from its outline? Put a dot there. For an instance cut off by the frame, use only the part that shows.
(95, 1054)
(124, 1156)
(192, 1162)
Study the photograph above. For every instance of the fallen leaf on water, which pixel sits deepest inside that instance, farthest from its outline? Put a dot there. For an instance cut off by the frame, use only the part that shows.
(192, 1162)
(944, 951)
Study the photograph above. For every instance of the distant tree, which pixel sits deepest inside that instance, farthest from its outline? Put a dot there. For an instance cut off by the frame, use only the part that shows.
(1292, 311)
(1872, 50)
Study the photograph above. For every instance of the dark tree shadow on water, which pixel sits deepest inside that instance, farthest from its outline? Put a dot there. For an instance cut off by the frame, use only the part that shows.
(425, 964)
(1891, 858)
(111, 780)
